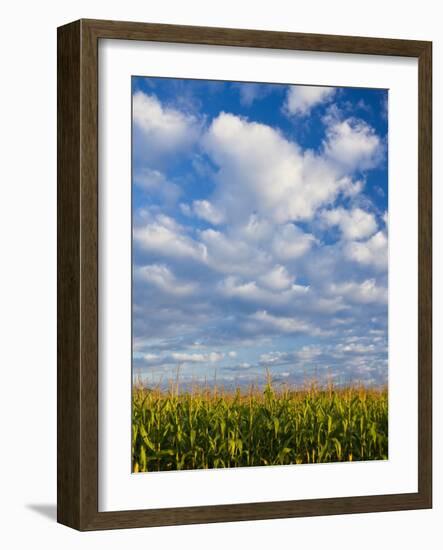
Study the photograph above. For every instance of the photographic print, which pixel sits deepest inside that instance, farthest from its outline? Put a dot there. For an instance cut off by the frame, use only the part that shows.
(232, 212)
(259, 274)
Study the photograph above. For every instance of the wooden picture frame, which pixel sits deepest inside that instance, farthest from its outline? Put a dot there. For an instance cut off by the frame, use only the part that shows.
(77, 480)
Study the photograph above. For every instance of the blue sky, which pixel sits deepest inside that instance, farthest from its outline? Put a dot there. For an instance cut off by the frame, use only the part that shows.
(259, 232)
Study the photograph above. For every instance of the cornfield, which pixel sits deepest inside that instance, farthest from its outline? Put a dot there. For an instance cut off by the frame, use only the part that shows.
(215, 429)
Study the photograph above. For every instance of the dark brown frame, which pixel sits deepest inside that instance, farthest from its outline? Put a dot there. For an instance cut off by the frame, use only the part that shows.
(77, 452)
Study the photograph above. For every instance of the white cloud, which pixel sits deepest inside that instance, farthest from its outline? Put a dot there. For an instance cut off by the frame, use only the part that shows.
(205, 210)
(234, 288)
(300, 100)
(166, 129)
(283, 324)
(351, 188)
(272, 357)
(308, 353)
(256, 229)
(155, 182)
(366, 292)
(352, 144)
(250, 291)
(262, 173)
(354, 224)
(328, 306)
(238, 251)
(291, 242)
(164, 236)
(150, 357)
(240, 290)
(161, 277)
(354, 347)
(373, 252)
(212, 357)
(228, 254)
(278, 278)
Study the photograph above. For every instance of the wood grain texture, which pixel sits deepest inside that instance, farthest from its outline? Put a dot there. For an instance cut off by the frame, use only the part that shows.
(425, 274)
(69, 402)
(78, 274)
(254, 38)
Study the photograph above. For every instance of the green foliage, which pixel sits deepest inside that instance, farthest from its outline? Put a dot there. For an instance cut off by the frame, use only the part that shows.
(214, 429)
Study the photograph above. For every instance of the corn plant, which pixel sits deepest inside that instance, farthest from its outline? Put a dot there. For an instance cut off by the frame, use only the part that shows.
(206, 428)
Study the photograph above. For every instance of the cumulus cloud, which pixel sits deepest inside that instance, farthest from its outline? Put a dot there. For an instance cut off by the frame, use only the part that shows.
(164, 236)
(228, 254)
(212, 357)
(234, 265)
(352, 357)
(233, 287)
(300, 100)
(278, 278)
(354, 224)
(365, 292)
(256, 229)
(308, 353)
(150, 357)
(157, 185)
(176, 359)
(352, 144)
(284, 324)
(272, 357)
(163, 129)
(261, 172)
(290, 242)
(355, 347)
(250, 291)
(163, 279)
(205, 210)
(372, 252)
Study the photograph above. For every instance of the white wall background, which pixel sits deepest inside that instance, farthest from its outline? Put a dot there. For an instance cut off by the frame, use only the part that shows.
(28, 271)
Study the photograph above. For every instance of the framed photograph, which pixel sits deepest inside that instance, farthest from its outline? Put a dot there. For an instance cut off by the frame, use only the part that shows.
(244, 275)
